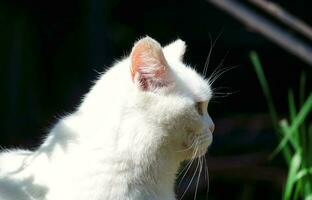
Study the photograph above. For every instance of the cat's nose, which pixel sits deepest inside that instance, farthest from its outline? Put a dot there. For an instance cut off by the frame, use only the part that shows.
(211, 127)
(210, 124)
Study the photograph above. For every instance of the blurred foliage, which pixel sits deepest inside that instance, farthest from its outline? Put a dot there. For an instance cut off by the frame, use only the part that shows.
(295, 137)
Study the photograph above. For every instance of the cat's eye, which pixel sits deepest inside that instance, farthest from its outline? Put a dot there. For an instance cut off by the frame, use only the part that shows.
(199, 108)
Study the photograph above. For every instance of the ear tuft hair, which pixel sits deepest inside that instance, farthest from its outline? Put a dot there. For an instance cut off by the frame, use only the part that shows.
(149, 68)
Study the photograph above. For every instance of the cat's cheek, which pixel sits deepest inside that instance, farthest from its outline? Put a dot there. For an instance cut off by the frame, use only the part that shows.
(189, 142)
(184, 145)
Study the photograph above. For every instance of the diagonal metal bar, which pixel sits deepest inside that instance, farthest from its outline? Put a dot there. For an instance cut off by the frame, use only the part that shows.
(266, 28)
(285, 17)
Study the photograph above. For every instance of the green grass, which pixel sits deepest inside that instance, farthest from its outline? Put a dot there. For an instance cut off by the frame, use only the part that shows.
(295, 136)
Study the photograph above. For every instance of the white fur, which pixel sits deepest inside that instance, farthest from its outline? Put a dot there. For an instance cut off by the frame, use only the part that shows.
(122, 143)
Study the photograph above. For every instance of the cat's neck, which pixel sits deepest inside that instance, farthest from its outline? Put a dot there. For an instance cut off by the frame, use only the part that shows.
(145, 167)
(152, 179)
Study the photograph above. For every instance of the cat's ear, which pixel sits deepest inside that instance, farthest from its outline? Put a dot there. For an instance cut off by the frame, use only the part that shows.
(149, 68)
(175, 50)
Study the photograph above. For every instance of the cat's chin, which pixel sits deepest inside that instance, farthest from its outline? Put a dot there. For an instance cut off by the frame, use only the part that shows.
(201, 148)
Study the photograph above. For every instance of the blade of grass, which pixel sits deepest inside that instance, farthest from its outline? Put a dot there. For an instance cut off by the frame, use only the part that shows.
(303, 172)
(292, 110)
(309, 149)
(265, 87)
(303, 130)
(303, 177)
(298, 189)
(309, 197)
(266, 90)
(304, 111)
(305, 140)
(293, 168)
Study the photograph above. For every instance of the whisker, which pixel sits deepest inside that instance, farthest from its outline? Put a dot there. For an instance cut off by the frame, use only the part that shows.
(217, 74)
(221, 95)
(198, 178)
(222, 92)
(190, 180)
(218, 68)
(207, 171)
(191, 146)
(208, 57)
(222, 61)
(212, 44)
(205, 167)
(189, 166)
(220, 88)
(219, 92)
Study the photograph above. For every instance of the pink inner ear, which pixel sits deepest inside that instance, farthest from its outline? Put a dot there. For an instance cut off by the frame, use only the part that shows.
(148, 64)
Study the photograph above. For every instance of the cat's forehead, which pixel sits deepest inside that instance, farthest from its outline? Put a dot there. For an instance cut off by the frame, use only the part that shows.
(192, 82)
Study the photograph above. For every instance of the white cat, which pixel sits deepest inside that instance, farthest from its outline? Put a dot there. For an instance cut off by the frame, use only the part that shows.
(127, 138)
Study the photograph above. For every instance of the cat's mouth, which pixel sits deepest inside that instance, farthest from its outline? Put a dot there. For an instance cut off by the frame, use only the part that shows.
(198, 145)
(203, 142)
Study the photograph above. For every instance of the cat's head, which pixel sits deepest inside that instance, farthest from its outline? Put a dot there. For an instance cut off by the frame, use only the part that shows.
(170, 97)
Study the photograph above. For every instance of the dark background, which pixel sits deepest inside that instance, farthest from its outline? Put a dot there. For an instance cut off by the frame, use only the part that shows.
(50, 51)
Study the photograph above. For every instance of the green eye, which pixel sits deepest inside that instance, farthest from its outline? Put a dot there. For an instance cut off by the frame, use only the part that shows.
(199, 108)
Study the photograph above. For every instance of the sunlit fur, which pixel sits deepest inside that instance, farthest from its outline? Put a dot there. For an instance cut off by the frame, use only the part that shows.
(122, 143)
